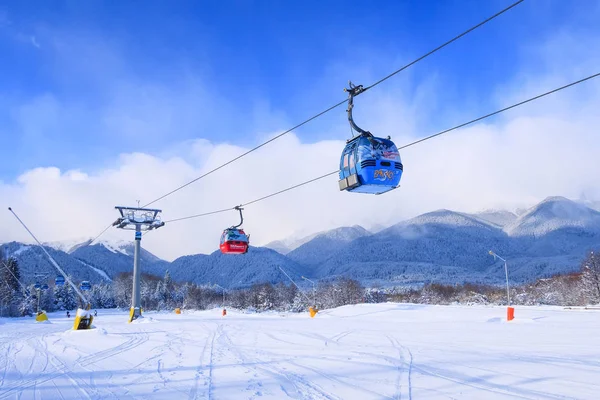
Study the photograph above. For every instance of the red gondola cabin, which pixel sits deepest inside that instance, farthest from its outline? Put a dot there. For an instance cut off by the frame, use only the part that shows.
(234, 241)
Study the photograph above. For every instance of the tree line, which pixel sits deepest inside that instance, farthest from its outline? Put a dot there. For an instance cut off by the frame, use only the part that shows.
(162, 293)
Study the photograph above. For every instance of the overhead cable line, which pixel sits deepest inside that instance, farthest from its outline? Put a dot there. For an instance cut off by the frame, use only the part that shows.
(445, 44)
(13, 275)
(402, 147)
(501, 110)
(255, 200)
(100, 234)
(338, 104)
(52, 261)
(200, 215)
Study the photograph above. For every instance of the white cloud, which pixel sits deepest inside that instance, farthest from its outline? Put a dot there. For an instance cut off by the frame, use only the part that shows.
(34, 42)
(513, 163)
(546, 148)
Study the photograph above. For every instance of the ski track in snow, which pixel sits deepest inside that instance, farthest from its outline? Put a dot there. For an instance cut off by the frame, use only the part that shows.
(384, 351)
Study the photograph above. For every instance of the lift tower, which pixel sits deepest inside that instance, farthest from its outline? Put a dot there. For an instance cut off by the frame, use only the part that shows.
(137, 219)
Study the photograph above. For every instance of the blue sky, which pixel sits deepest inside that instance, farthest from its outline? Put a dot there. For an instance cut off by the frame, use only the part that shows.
(105, 102)
(82, 82)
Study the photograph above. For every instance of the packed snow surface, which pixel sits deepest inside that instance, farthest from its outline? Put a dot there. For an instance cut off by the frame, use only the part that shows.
(353, 352)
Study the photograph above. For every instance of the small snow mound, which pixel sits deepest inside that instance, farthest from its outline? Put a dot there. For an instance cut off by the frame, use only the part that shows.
(92, 331)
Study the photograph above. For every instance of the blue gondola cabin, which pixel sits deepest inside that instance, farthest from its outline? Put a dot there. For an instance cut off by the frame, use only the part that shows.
(370, 165)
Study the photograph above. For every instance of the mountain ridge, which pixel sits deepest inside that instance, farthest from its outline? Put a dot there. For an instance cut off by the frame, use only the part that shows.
(439, 246)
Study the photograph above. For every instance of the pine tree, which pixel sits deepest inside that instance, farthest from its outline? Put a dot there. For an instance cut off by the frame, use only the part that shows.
(70, 299)
(168, 281)
(47, 300)
(11, 293)
(65, 297)
(590, 278)
(28, 300)
(160, 296)
(121, 287)
(11, 274)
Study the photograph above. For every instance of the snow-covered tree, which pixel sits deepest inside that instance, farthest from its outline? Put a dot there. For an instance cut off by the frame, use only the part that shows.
(121, 286)
(65, 297)
(590, 278)
(11, 274)
(300, 303)
(263, 297)
(101, 296)
(47, 300)
(375, 295)
(285, 295)
(11, 292)
(27, 306)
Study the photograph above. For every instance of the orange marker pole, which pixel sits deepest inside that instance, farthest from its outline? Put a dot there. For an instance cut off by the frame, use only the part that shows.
(510, 313)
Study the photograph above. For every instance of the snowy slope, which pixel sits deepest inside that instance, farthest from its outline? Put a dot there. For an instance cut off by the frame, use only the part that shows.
(113, 245)
(32, 260)
(279, 246)
(114, 259)
(67, 246)
(284, 246)
(593, 204)
(552, 214)
(234, 271)
(448, 245)
(367, 351)
(324, 244)
(497, 217)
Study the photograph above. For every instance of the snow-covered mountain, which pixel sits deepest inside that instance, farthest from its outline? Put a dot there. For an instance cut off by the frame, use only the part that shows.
(497, 217)
(326, 243)
(114, 246)
(552, 214)
(258, 265)
(443, 246)
(284, 246)
(452, 247)
(67, 246)
(279, 246)
(32, 260)
(115, 259)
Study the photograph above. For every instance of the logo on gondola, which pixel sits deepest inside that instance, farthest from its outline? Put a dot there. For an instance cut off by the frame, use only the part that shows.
(382, 174)
(390, 154)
